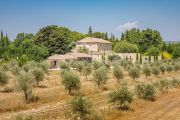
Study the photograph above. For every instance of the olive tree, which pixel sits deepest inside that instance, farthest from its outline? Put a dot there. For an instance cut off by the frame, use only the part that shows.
(176, 67)
(64, 65)
(175, 83)
(44, 66)
(79, 66)
(3, 78)
(81, 108)
(87, 70)
(29, 65)
(15, 70)
(164, 85)
(155, 70)
(146, 70)
(96, 65)
(145, 91)
(71, 81)
(134, 72)
(162, 68)
(38, 74)
(25, 82)
(169, 68)
(100, 75)
(121, 97)
(113, 57)
(118, 73)
(26, 67)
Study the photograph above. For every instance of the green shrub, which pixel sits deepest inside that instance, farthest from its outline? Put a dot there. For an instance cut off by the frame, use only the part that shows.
(137, 65)
(96, 65)
(155, 71)
(13, 63)
(139, 90)
(162, 68)
(3, 78)
(118, 73)
(27, 67)
(38, 74)
(116, 62)
(81, 108)
(146, 70)
(125, 64)
(113, 57)
(175, 83)
(121, 97)
(87, 70)
(134, 72)
(106, 64)
(64, 65)
(73, 64)
(79, 66)
(23, 59)
(71, 81)
(100, 75)
(169, 68)
(44, 66)
(176, 67)
(145, 91)
(25, 83)
(4, 67)
(164, 85)
(15, 70)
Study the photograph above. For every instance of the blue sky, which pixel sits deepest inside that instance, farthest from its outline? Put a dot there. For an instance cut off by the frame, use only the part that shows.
(112, 16)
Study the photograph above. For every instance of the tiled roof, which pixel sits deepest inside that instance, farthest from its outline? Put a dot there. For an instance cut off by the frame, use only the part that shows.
(93, 40)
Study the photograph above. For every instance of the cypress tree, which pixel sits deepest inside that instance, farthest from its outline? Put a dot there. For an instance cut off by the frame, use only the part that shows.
(149, 58)
(106, 36)
(90, 32)
(137, 56)
(126, 57)
(141, 58)
(122, 36)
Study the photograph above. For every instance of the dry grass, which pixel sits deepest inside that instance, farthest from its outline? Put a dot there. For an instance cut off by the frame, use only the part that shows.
(54, 92)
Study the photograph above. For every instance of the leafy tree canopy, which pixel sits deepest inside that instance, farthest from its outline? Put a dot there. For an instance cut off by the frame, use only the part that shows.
(143, 39)
(176, 51)
(153, 51)
(125, 47)
(58, 40)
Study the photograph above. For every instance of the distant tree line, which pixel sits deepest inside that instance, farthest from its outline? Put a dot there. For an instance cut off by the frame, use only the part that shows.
(53, 39)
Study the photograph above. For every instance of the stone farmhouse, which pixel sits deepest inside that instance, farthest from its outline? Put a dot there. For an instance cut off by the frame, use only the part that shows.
(98, 49)
(94, 45)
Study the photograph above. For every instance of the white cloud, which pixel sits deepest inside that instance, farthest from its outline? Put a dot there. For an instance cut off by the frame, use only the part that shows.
(128, 26)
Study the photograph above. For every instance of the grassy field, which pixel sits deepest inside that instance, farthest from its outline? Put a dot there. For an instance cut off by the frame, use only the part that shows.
(54, 100)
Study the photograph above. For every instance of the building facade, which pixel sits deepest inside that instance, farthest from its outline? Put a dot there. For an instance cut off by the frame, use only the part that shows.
(94, 44)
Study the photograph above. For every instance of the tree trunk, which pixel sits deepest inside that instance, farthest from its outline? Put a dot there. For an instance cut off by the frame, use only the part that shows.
(70, 90)
(86, 77)
(118, 80)
(26, 95)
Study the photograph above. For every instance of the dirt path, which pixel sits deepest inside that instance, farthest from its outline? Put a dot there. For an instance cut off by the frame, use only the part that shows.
(167, 107)
(52, 109)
